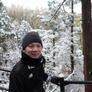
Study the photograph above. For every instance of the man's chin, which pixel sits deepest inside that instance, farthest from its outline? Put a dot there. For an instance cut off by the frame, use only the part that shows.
(35, 57)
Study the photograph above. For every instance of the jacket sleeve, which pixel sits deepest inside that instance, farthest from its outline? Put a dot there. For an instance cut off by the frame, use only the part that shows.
(15, 84)
(45, 76)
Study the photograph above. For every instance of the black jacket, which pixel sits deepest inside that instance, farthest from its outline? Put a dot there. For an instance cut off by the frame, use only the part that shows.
(28, 75)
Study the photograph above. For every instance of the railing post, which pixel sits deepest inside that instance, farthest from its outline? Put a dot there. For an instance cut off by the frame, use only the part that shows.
(62, 84)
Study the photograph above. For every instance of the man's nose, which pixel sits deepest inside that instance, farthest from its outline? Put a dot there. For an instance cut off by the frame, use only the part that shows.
(35, 48)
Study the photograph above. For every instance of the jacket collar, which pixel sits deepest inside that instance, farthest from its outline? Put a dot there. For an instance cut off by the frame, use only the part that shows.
(31, 61)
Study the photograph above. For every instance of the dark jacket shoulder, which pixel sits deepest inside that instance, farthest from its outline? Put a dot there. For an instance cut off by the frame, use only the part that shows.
(18, 68)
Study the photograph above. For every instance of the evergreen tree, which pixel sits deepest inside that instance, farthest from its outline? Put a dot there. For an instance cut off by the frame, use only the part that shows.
(59, 19)
(5, 32)
(6, 43)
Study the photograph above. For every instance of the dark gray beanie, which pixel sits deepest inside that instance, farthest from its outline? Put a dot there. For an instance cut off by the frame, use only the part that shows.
(31, 37)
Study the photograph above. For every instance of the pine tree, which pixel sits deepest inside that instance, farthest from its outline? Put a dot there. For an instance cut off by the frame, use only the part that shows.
(6, 36)
(60, 22)
(5, 31)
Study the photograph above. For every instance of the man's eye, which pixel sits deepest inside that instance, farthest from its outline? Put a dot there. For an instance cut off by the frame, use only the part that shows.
(30, 46)
(39, 46)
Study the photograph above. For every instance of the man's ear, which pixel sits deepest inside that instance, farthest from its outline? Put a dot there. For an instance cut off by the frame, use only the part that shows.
(23, 50)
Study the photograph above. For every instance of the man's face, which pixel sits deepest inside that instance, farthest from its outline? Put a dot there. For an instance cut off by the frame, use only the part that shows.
(33, 50)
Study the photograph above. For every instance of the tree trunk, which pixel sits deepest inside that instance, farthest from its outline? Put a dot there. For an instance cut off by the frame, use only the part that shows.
(87, 42)
(72, 46)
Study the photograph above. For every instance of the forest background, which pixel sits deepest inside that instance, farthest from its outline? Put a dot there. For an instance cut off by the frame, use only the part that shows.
(61, 32)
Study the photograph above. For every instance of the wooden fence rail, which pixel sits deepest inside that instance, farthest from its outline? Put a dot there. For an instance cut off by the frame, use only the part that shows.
(61, 82)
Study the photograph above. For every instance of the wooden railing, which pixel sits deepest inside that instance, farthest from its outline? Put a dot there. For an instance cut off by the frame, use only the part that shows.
(5, 70)
(61, 82)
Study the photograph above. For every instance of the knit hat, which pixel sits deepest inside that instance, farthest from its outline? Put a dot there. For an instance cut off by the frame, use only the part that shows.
(31, 37)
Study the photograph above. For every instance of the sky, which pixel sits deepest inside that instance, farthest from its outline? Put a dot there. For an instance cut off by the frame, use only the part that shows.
(31, 4)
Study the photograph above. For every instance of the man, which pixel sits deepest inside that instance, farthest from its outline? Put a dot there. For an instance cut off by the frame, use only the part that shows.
(28, 74)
